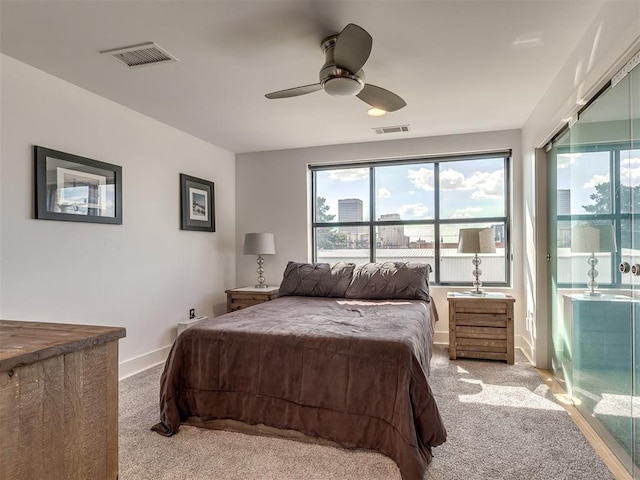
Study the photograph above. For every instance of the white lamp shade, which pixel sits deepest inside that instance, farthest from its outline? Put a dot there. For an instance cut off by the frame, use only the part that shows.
(476, 240)
(259, 244)
(593, 238)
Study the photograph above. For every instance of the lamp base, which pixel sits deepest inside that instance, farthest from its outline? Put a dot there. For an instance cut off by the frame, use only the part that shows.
(477, 283)
(477, 293)
(260, 271)
(592, 293)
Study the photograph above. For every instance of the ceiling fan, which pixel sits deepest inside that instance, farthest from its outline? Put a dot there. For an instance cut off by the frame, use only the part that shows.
(342, 74)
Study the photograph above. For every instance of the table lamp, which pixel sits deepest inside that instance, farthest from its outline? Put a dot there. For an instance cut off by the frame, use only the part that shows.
(259, 244)
(592, 239)
(476, 240)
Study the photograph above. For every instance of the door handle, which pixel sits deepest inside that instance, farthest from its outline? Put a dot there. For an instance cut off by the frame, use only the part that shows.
(624, 267)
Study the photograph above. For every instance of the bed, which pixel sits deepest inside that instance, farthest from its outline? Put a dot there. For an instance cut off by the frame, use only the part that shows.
(346, 368)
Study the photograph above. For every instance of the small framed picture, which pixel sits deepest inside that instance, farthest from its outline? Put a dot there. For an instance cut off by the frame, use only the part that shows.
(76, 189)
(197, 210)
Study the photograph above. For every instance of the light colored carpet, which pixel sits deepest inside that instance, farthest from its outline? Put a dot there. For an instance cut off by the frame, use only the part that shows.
(502, 423)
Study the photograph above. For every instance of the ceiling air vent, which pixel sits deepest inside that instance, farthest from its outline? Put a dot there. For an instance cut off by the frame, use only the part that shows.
(140, 55)
(396, 129)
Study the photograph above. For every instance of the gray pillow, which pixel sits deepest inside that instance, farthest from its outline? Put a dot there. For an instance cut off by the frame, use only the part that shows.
(391, 281)
(316, 279)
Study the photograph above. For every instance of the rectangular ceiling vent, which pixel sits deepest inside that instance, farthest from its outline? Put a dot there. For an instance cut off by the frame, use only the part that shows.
(396, 129)
(140, 55)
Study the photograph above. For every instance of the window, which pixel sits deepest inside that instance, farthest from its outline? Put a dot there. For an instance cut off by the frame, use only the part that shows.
(598, 186)
(413, 210)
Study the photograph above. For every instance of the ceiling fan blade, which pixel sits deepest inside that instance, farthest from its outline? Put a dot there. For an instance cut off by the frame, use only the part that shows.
(380, 98)
(352, 49)
(294, 92)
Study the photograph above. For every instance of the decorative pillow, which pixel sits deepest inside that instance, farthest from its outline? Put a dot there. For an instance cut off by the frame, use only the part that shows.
(390, 280)
(316, 279)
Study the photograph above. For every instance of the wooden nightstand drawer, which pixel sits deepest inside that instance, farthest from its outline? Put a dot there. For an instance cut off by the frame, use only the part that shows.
(481, 355)
(481, 327)
(239, 298)
(484, 307)
(479, 345)
(239, 301)
(485, 333)
(479, 319)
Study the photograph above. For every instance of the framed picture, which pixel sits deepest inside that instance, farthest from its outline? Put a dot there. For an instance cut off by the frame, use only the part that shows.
(76, 189)
(197, 210)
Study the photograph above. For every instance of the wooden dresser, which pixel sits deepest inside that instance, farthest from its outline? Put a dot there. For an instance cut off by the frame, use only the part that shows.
(481, 326)
(58, 401)
(244, 297)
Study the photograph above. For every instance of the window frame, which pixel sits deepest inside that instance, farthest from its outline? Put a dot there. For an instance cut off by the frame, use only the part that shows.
(436, 221)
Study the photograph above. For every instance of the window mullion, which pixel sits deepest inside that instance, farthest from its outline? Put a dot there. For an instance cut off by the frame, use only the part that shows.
(436, 225)
(372, 210)
(314, 230)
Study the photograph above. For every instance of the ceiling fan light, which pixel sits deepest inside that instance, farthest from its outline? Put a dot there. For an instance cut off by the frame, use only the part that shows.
(343, 86)
(376, 112)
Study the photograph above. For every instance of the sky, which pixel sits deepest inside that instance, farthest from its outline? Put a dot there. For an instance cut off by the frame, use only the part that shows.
(581, 172)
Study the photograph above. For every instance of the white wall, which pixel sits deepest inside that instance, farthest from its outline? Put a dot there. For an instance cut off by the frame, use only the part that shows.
(606, 45)
(272, 195)
(143, 275)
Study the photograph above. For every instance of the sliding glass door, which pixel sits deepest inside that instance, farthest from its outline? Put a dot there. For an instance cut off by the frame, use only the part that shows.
(594, 238)
(631, 175)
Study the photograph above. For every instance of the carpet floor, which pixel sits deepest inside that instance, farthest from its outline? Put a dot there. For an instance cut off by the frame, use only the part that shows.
(502, 423)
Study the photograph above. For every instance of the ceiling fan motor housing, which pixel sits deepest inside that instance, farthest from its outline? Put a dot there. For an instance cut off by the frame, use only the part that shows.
(342, 75)
(335, 80)
(343, 85)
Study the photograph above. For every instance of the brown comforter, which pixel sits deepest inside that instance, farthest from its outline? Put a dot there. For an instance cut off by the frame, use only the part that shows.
(351, 371)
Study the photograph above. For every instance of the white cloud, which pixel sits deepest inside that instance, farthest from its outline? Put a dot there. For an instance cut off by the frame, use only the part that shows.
(565, 160)
(630, 176)
(487, 185)
(414, 210)
(349, 174)
(596, 180)
(421, 178)
(383, 193)
(452, 179)
(466, 212)
(483, 184)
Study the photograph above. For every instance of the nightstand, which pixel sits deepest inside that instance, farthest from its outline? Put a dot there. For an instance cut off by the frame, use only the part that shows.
(244, 297)
(599, 332)
(481, 326)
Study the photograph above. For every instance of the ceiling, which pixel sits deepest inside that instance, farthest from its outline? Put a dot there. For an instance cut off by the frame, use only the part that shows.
(461, 66)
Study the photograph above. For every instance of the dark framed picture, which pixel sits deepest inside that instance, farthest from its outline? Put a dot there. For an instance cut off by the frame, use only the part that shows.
(197, 210)
(76, 189)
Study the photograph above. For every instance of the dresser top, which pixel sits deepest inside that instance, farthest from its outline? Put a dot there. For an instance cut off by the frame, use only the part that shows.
(23, 343)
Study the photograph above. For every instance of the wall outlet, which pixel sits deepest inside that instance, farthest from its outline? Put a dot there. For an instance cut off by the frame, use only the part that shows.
(192, 313)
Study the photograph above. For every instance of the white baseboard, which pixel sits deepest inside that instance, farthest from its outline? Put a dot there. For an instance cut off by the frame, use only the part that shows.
(441, 338)
(142, 362)
(523, 344)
